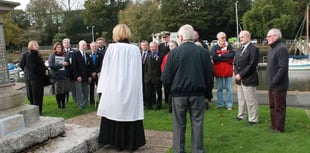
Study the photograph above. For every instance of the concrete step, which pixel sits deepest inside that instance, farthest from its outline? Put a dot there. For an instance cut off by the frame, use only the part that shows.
(38, 132)
(76, 139)
(30, 112)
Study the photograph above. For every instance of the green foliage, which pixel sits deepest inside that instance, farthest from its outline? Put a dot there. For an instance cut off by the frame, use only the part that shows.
(103, 14)
(266, 14)
(59, 37)
(11, 31)
(74, 27)
(207, 17)
(20, 17)
(142, 18)
(46, 16)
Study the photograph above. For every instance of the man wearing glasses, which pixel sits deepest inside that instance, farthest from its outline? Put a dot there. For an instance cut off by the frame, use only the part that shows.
(277, 79)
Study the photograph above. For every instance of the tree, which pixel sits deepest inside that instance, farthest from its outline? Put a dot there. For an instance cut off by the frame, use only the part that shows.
(20, 17)
(103, 14)
(266, 14)
(11, 30)
(59, 37)
(207, 17)
(142, 18)
(46, 15)
(176, 13)
(68, 5)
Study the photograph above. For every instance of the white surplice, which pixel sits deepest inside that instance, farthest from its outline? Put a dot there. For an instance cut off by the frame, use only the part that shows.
(120, 83)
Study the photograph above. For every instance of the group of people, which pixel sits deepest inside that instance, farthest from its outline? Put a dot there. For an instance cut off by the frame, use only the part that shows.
(129, 79)
(68, 69)
(154, 57)
(244, 65)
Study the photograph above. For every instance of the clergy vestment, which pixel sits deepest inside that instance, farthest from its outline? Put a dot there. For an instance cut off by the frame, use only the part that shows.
(121, 102)
(120, 83)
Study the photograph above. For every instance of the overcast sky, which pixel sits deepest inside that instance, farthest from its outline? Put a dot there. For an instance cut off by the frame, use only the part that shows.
(23, 3)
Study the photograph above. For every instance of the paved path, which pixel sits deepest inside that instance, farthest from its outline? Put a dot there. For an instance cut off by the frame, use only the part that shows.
(156, 141)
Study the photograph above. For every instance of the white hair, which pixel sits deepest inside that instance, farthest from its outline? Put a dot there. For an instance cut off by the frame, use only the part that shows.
(276, 32)
(220, 34)
(187, 32)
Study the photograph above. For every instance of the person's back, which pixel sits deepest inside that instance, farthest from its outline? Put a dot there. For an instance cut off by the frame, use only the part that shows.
(189, 75)
(189, 67)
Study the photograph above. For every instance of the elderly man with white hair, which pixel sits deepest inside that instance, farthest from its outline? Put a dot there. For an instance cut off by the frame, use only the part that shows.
(277, 79)
(245, 68)
(81, 74)
(189, 76)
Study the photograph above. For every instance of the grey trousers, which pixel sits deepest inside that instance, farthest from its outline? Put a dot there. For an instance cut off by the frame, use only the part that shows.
(196, 107)
(82, 91)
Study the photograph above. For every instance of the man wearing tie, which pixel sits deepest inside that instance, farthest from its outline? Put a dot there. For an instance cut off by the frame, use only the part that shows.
(95, 65)
(245, 69)
(152, 77)
(81, 73)
(68, 51)
(144, 45)
(163, 50)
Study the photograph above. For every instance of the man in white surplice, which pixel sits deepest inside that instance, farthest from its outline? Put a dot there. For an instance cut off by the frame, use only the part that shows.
(120, 83)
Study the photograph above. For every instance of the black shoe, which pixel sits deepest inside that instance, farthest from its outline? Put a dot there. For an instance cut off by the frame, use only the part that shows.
(239, 119)
(149, 108)
(158, 107)
(207, 106)
(252, 123)
(170, 109)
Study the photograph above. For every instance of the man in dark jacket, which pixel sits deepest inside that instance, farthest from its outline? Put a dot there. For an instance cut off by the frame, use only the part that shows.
(70, 81)
(164, 50)
(277, 79)
(95, 66)
(245, 63)
(152, 77)
(189, 75)
(81, 73)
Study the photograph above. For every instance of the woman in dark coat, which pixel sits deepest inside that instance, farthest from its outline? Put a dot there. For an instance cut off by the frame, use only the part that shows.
(56, 62)
(36, 73)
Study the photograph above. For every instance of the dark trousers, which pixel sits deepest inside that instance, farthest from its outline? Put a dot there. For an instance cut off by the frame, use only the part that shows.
(37, 89)
(277, 105)
(167, 96)
(151, 90)
(144, 93)
(92, 84)
(61, 98)
(28, 90)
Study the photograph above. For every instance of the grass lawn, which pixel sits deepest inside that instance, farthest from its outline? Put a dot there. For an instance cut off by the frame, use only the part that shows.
(50, 108)
(223, 133)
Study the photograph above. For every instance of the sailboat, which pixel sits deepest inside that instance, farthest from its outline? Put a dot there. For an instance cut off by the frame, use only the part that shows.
(301, 46)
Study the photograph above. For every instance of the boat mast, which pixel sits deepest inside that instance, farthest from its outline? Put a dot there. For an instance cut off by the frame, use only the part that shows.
(307, 30)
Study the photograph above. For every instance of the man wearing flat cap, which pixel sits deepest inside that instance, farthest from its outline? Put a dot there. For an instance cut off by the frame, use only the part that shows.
(163, 50)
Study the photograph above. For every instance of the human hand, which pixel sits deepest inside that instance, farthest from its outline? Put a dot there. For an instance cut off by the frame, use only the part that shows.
(238, 77)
